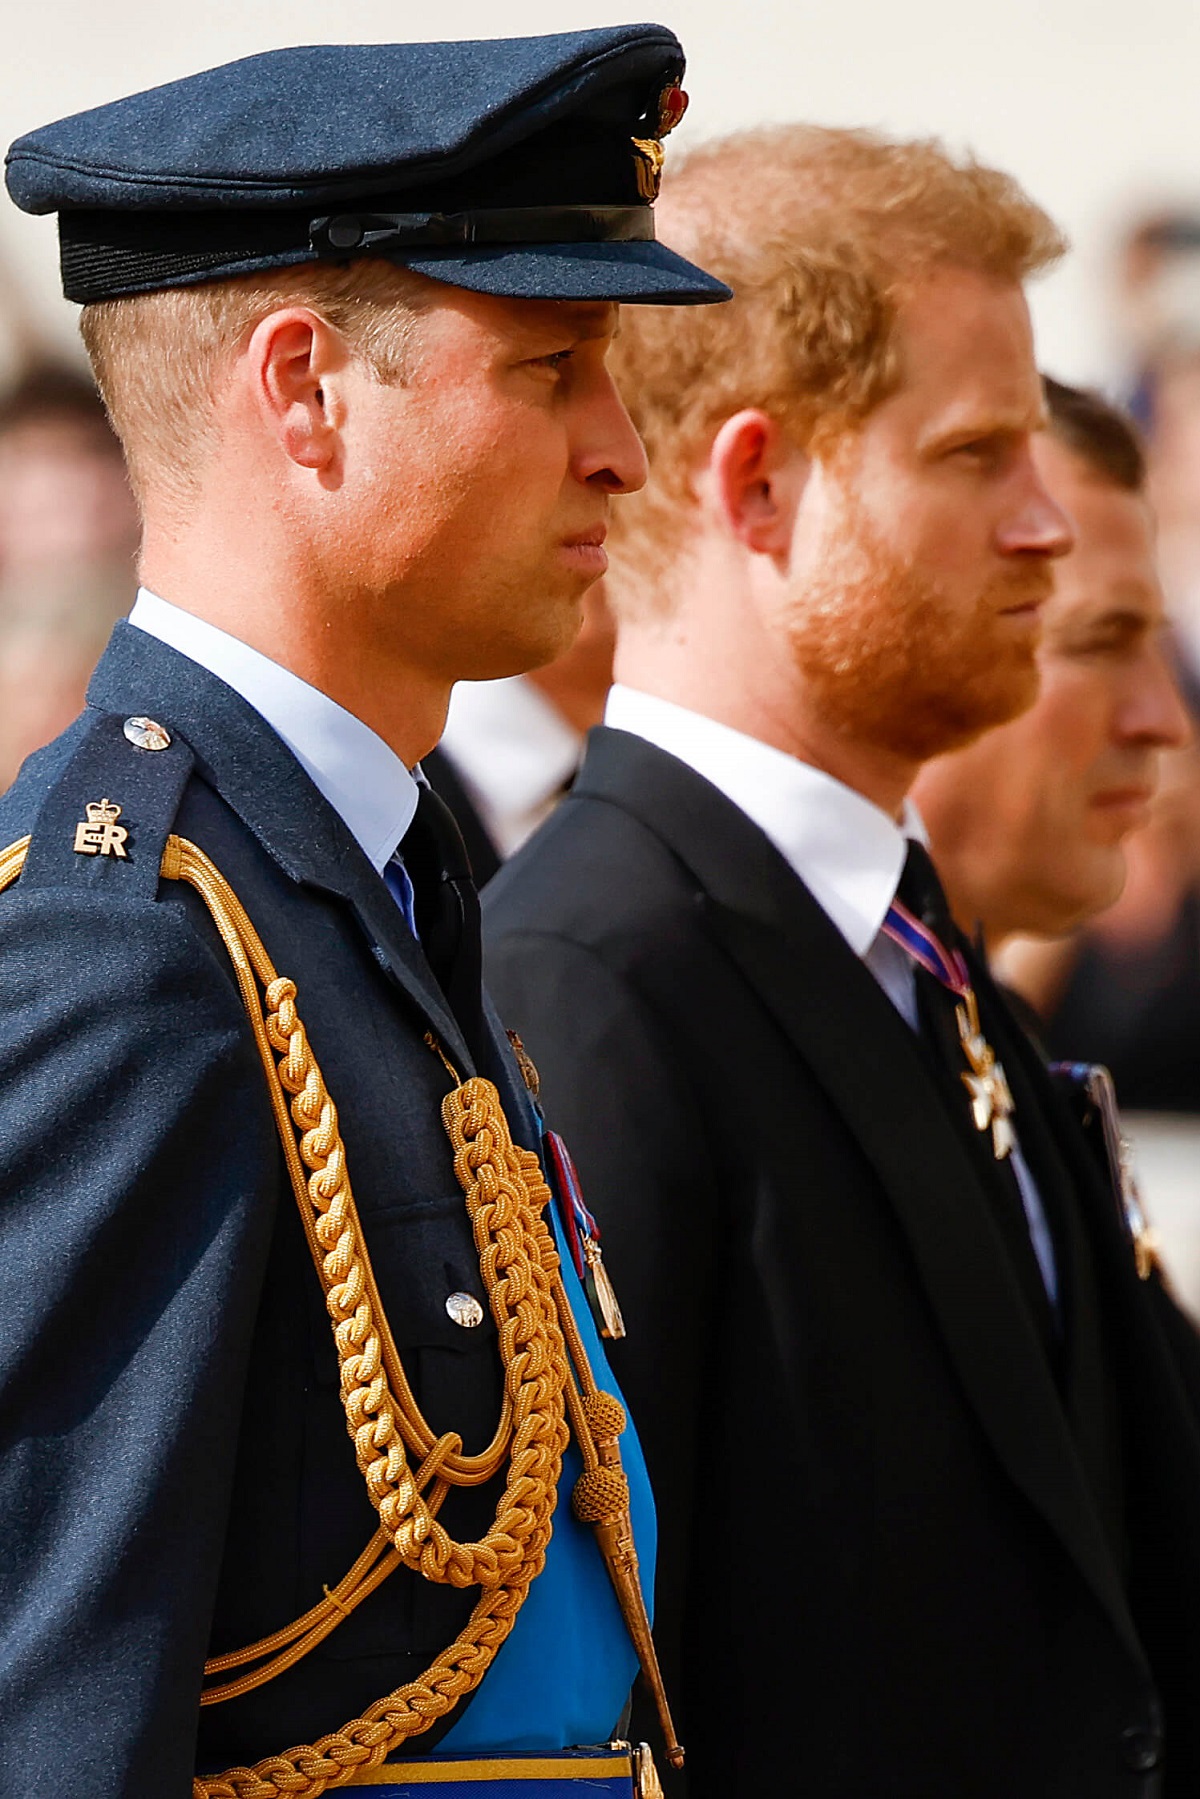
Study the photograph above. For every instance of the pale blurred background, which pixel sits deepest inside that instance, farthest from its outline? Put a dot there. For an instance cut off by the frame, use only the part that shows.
(1093, 104)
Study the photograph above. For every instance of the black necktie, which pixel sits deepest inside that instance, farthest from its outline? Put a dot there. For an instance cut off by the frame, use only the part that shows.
(446, 907)
(922, 892)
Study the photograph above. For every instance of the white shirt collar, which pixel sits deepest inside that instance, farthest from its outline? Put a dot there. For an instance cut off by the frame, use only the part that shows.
(362, 778)
(514, 752)
(848, 852)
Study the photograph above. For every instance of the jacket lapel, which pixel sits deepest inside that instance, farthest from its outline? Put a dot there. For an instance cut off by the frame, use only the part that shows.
(256, 774)
(862, 1053)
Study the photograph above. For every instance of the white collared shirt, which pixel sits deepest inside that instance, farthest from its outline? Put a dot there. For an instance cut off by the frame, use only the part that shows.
(848, 853)
(363, 779)
(514, 753)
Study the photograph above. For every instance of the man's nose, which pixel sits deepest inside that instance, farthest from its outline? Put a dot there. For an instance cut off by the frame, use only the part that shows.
(611, 455)
(1154, 712)
(1038, 525)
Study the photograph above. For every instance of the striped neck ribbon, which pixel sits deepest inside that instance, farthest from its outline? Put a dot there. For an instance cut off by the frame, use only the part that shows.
(926, 948)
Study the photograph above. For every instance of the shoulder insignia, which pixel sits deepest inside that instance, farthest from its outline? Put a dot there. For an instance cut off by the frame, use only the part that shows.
(100, 834)
(83, 836)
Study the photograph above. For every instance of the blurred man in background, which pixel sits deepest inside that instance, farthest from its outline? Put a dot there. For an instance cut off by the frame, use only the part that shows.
(68, 534)
(928, 1482)
(511, 748)
(1028, 824)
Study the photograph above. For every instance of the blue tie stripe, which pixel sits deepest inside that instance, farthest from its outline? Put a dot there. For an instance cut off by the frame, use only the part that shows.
(399, 885)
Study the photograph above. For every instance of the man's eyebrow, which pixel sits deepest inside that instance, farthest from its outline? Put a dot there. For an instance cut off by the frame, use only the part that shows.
(596, 324)
(591, 321)
(1014, 423)
(1116, 620)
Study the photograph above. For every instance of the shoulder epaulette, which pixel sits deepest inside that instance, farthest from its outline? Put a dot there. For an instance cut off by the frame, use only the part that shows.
(105, 820)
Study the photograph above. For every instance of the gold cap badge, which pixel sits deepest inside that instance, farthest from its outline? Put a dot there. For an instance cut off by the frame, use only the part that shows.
(648, 151)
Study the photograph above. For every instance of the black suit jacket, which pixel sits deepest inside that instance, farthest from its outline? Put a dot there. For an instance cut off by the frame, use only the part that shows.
(440, 771)
(176, 1478)
(891, 1558)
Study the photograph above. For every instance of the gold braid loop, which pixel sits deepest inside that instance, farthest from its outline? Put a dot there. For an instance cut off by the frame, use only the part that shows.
(520, 1273)
(519, 1290)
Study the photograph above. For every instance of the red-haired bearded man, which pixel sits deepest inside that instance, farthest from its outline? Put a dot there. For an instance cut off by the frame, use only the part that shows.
(927, 1474)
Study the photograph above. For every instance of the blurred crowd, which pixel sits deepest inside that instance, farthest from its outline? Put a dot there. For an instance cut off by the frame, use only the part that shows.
(1123, 990)
(68, 538)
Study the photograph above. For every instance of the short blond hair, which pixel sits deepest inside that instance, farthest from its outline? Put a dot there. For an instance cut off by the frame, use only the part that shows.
(157, 357)
(819, 232)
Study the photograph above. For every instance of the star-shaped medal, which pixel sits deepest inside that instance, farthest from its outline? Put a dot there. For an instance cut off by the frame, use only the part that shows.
(991, 1099)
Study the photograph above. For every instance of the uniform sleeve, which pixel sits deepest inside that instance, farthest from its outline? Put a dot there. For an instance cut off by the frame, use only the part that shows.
(137, 1184)
(619, 1094)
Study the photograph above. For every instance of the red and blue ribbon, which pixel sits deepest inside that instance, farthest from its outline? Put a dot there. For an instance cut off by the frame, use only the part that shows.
(925, 947)
(577, 1220)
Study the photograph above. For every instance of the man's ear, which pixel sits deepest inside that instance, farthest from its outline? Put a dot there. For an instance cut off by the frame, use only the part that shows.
(756, 477)
(294, 358)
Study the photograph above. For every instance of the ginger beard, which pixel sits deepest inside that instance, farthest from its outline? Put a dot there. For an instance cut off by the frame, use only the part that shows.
(892, 659)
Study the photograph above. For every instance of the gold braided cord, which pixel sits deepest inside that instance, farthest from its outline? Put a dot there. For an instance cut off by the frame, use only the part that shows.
(518, 1263)
(510, 1239)
(12, 861)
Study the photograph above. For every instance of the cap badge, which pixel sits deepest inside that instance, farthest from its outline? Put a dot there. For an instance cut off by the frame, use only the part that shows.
(147, 734)
(648, 151)
(100, 834)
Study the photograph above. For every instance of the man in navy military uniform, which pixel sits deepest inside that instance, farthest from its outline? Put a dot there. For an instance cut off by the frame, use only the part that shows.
(350, 309)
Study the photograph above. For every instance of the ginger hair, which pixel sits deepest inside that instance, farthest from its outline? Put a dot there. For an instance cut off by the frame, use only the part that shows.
(158, 358)
(819, 232)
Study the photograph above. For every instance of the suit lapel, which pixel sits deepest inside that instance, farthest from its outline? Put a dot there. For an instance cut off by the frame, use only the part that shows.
(862, 1053)
(255, 773)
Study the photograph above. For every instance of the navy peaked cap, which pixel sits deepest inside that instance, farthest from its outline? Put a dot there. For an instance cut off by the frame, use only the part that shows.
(518, 166)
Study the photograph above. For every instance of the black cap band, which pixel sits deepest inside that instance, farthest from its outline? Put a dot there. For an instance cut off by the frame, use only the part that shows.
(109, 255)
(368, 233)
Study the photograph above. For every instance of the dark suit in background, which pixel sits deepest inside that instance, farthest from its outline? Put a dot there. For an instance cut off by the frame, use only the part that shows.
(447, 783)
(914, 1541)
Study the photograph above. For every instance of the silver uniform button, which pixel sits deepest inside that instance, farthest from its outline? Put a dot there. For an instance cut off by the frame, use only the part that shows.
(147, 734)
(465, 1309)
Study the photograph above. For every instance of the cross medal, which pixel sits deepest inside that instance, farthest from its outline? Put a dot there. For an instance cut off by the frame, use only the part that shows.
(991, 1100)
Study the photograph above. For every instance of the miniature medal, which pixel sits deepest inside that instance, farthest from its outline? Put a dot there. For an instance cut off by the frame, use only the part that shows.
(991, 1101)
(583, 1237)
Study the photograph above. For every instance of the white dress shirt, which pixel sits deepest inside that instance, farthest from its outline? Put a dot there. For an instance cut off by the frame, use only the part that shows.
(849, 854)
(514, 753)
(364, 780)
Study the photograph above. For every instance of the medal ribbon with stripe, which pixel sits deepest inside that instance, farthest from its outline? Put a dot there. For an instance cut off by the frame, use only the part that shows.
(984, 1079)
(583, 1237)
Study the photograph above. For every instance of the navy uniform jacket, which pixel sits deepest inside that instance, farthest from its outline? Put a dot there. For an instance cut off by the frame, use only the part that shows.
(176, 1478)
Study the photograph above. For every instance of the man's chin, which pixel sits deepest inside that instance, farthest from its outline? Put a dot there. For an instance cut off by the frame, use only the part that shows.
(919, 728)
(528, 645)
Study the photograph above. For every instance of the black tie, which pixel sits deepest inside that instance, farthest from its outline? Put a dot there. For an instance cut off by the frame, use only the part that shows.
(922, 892)
(446, 906)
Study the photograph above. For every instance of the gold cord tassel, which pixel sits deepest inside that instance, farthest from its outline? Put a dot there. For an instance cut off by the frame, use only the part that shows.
(601, 1499)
